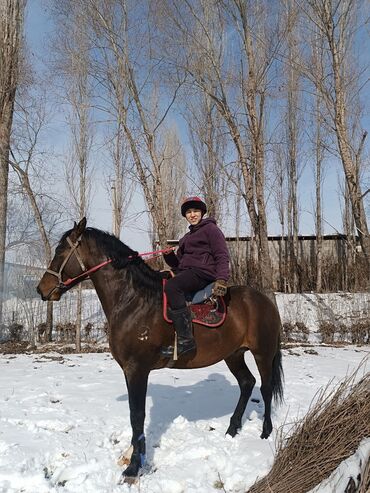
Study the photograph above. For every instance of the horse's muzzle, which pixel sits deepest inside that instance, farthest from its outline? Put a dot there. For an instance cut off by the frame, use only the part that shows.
(40, 293)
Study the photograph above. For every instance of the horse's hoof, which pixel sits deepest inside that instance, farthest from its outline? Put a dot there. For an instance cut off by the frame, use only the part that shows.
(232, 431)
(131, 471)
(130, 480)
(266, 429)
(265, 434)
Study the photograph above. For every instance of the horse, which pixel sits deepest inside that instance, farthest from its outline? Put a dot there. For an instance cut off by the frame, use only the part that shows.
(130, 292)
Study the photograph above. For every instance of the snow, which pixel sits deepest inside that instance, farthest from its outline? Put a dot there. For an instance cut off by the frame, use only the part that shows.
(307, 308)
(313, 308)
(64, 423)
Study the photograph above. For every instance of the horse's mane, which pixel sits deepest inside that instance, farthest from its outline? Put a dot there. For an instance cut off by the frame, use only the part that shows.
(144, 278)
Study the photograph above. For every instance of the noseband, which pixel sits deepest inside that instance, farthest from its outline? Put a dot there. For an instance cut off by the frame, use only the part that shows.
(65, 285)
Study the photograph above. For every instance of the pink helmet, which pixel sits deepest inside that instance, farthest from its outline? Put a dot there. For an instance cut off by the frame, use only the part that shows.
(193, 203)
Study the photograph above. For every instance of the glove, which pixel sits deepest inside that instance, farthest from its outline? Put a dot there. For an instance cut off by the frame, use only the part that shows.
(220, 288)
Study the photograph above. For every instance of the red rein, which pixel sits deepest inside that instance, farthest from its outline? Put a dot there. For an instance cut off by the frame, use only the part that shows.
(108, 261)
(155, 253)
(87, 272)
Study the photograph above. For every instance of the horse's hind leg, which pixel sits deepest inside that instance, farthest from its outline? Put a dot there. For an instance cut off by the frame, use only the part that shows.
(246, 382)
(264, 366)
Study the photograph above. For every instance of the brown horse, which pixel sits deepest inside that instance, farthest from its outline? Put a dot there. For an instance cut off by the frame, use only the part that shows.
(131, 295)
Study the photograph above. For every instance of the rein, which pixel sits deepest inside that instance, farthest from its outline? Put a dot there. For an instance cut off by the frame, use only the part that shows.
(64, 285)
(156, 253)
(86, 272)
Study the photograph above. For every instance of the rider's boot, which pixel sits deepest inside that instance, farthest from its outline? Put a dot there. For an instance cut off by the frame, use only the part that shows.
(185, 340)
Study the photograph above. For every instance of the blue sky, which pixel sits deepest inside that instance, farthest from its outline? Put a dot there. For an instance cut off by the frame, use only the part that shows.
(38, 31)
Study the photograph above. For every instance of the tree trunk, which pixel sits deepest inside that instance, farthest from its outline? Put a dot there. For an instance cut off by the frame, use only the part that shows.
(49, 321)
(318, 214)
(11, 22)
(335, 21)
(26, 185)
(292, 133)
(79, 318)
(4, 170)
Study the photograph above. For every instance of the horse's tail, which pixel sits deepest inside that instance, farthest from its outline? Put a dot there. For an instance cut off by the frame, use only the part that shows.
(277, 379)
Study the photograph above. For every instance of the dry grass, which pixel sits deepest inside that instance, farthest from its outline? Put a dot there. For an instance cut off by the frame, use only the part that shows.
(331, 432)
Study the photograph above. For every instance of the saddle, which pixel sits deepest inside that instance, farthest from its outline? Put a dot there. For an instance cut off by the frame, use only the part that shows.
(205, 309)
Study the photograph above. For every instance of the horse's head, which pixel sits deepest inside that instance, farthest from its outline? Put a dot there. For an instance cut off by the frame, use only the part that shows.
(66, 264)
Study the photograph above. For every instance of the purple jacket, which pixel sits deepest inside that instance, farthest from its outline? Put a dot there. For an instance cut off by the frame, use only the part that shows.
(203, 247)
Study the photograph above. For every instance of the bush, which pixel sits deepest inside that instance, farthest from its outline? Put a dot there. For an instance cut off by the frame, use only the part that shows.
(302, 332)
(88, 330)
(41, 332)
(287, 332)
(360, 333)
(66, 332)
(15, 332)
(357, 333)
(331, 432)
(297, 332)
(327, 331)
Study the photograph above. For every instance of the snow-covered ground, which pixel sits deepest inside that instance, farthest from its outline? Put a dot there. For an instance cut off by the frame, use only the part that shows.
(64, 422)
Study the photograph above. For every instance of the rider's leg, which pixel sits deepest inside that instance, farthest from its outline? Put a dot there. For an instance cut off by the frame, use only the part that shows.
(185, 282)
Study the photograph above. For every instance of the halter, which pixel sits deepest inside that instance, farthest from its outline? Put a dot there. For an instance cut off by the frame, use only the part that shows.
(64, 285)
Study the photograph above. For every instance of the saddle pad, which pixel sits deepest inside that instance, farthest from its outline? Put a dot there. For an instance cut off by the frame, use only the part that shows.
(204, 313)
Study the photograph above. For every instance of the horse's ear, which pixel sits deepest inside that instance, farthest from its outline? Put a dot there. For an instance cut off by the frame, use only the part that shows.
(79, 228)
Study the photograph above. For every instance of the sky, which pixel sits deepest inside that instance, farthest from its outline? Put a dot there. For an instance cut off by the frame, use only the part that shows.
(38, 31)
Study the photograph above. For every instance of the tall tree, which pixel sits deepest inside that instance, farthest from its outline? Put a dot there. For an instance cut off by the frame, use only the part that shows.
(120, 187)
(292, 78)
(11, 28)
(280, 194)
(209, 143)
(173, 173)
(200, 41)
(319, 144)
(339, 21)
(73, 55)
(28, 162)
(127, 73)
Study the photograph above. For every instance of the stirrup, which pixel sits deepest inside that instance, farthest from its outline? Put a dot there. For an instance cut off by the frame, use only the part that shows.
(179, 348)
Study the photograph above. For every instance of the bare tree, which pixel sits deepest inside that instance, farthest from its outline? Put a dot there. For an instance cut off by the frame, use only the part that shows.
(234, 75)
(209, 145)
(292, 78)
(349, 252)
(127, 74)
(319, 144)
(280, 194)
(318, 195)
(338, 21)
(120, 187)
(73, 61)
(173, 176)
(28, 163)
(11, 28)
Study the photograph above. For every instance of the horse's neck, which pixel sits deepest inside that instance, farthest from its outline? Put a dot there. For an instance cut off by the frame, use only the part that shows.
(119, 289)
(109, 286)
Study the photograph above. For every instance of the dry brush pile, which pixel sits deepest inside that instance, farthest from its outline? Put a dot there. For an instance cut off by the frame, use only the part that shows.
(330, 433)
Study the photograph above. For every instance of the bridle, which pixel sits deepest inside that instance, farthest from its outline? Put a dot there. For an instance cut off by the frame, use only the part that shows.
(65, 285)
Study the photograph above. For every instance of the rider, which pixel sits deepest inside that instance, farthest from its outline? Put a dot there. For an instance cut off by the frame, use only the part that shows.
(202, 257)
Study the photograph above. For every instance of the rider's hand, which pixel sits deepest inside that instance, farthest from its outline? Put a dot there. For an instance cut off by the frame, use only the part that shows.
(220, 288)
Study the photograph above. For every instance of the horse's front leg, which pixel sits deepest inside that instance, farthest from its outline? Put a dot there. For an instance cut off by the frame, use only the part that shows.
(137, 382)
